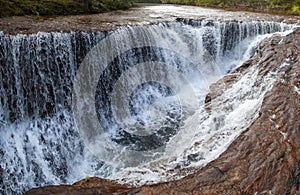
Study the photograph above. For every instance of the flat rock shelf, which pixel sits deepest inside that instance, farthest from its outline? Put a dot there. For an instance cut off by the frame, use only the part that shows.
(136, 16)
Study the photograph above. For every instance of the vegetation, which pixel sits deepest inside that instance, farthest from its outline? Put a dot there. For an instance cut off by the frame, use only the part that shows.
(278, 6)
(51, 7)
(148, 1)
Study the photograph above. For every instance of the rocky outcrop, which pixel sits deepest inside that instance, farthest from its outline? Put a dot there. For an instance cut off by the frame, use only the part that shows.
(264, 159)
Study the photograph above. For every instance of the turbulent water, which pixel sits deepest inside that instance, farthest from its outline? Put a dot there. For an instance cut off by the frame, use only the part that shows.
(100, 104)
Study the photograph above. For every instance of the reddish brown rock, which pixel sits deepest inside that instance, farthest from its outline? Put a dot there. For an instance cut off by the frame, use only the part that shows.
(86, 186)
(264, 159)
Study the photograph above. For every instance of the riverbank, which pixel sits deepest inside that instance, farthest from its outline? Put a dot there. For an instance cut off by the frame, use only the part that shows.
(142, 15)
(282, 7)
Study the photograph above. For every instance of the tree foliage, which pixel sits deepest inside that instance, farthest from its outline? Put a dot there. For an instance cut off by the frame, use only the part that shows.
(50, 7)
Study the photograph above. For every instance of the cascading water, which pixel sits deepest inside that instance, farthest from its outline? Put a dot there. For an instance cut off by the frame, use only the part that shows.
(150, 86)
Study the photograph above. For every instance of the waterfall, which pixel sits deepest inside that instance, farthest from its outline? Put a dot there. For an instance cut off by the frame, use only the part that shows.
(144, 85)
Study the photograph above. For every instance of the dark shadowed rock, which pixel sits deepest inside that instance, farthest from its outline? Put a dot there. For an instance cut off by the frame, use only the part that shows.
(264, 159)
(1, 169)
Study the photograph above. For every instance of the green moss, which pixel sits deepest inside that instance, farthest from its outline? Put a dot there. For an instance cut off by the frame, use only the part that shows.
(296, 9)
(87, 178)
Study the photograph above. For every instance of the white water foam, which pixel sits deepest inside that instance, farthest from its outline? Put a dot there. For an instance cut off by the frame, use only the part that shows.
(206, 134)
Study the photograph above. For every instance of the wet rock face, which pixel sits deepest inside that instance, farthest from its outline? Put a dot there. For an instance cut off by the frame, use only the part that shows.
(264, 159)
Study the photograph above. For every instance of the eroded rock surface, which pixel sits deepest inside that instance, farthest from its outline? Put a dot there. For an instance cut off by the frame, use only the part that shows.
(264, 159)
(136, 16)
